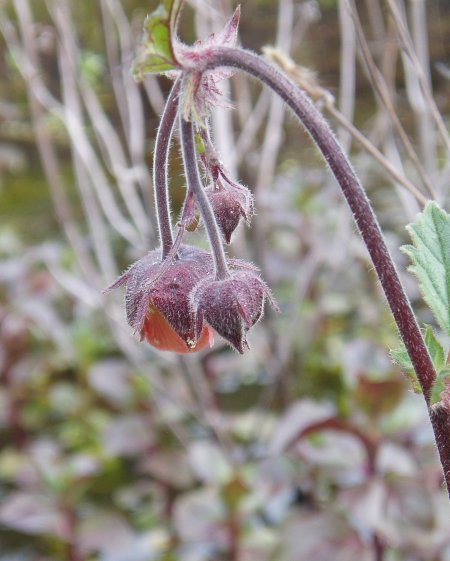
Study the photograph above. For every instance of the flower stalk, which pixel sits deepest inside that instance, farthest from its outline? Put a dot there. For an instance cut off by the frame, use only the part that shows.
(160, 166)
(194, 184)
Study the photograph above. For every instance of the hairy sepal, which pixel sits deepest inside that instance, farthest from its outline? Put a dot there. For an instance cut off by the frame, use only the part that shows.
(166, 286)
(201, 92)
(231, 306)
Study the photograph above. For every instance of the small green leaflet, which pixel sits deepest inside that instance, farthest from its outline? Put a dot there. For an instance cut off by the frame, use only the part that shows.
(430, 257)
(439, 390)
(156, 53)
(199, 144)
(434, 348)
(401, 357)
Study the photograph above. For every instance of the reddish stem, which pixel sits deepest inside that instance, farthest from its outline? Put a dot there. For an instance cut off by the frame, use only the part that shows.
(194, 184)
(160, 165)
(334, 423)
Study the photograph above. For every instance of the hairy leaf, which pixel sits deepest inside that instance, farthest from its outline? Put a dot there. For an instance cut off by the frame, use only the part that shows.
(430, 256)
(401, 358)
(434, 348)
(156, 54)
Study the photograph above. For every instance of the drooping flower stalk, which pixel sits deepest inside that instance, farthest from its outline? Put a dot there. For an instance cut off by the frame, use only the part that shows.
(363, 214)
(194, 184)
(354, 193)
(160, 165)
(230, 298)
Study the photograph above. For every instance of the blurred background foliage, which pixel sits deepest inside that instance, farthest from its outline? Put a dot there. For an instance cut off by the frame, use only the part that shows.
(310, 446)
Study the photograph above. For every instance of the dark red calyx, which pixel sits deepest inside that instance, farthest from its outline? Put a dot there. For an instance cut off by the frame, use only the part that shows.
(231, 306)
(230, 202)
(166, 287)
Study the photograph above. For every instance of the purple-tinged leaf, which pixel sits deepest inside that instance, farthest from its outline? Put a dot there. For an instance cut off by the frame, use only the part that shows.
(31, 513)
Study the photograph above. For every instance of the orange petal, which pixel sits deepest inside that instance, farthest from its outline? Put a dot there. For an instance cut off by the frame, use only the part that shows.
(160, 334)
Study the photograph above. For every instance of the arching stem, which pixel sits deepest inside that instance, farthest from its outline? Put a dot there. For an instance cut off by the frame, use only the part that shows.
(194, 184)
(160, 165)
(364, 216)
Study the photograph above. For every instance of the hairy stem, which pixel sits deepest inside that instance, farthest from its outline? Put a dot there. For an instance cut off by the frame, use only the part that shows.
(160, 165)
(194, 184)
(364, 216)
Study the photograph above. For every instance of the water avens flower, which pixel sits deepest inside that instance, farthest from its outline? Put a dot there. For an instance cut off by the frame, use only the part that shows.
(230, 202)
(231, 306)
(158, 299)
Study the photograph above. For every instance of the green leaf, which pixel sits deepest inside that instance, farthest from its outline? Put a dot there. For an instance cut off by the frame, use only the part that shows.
(430, 257)
(156, 54)
(434, 348)
(439, 386)
(401, 358)
(199, 144)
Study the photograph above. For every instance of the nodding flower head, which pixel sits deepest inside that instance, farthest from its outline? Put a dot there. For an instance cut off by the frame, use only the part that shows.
(231, 306)
(230, 202)
(157, 299)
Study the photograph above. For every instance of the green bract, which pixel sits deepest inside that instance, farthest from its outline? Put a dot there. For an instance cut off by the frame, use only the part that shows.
(437, 354)
(156, 54)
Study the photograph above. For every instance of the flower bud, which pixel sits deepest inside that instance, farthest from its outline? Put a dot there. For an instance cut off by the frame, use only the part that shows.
(230, 202)
(231, 306)
(157, 299)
